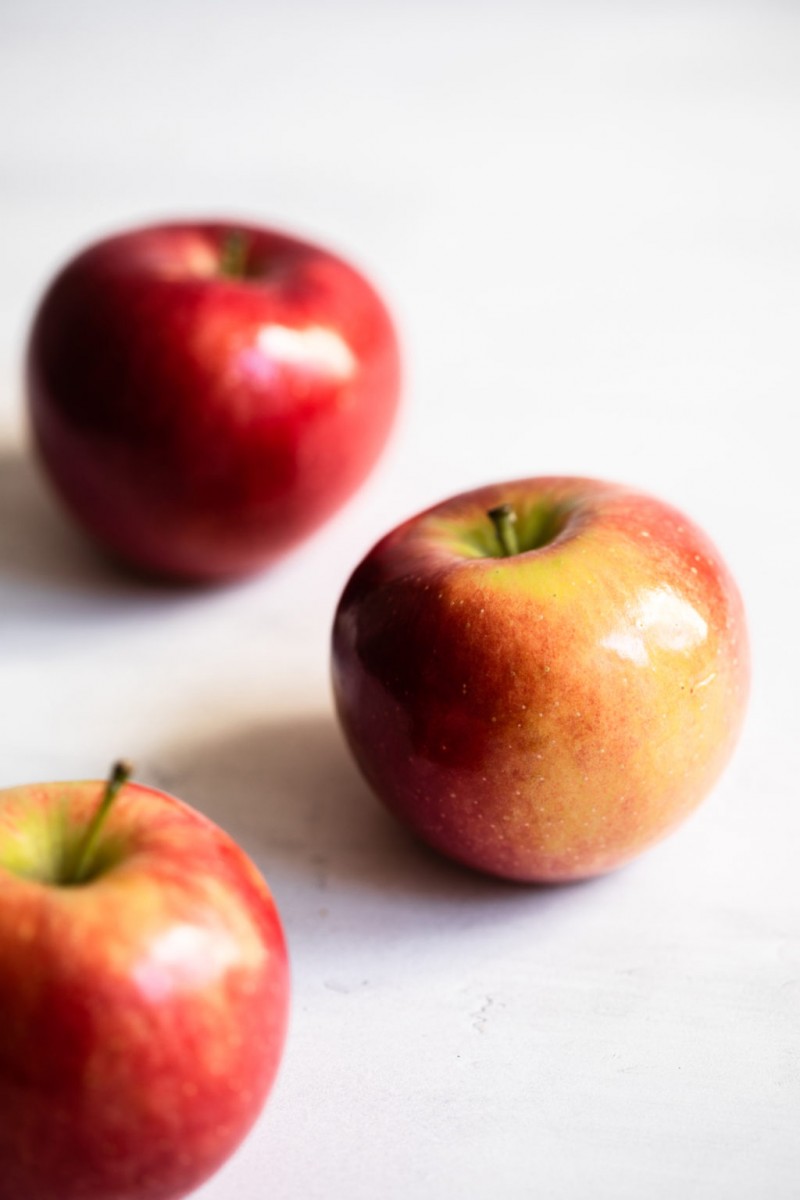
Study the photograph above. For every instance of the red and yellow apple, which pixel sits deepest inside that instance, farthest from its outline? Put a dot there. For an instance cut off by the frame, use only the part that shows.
(541, 678)
(204, 395)
(144, 993)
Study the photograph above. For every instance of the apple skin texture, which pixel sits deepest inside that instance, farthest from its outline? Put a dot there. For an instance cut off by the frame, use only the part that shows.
(143, 1012)
(199, 425)
(542, 717)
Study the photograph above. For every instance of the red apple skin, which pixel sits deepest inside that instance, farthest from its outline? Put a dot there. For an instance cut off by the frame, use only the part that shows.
(143, 1012)
(199, 425)
(542, 717)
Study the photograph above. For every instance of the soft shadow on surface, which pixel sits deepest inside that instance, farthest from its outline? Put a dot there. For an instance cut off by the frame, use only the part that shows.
(44, 558)
(290, 794)
(36, 544)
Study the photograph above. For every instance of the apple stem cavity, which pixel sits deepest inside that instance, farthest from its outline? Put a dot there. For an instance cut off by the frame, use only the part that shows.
(84, 858)
(504, 519)
(233, 254)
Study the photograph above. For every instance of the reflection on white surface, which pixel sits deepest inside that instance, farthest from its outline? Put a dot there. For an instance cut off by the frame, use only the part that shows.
(660, 619)
(315, 347)
(184, 958)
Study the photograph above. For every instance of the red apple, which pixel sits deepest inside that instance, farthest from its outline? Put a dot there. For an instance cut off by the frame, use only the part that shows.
(204, 395)
(143, 994)
(542, 700)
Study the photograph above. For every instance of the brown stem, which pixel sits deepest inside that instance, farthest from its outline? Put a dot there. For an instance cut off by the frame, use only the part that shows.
(82, 865)
(504, 518)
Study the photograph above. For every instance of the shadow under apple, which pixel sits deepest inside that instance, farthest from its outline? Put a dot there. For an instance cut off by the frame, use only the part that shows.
(47, 566)
(288, 791)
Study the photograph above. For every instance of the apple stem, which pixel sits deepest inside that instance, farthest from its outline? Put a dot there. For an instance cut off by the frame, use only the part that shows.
(233, 254)
(504, 518)
(120, 774)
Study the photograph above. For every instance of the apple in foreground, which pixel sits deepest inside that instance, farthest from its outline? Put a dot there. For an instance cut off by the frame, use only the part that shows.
(541, 678)
(143, 993)
(204, 395)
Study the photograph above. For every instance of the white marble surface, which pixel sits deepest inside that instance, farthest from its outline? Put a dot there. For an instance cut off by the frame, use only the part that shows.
(586, 217)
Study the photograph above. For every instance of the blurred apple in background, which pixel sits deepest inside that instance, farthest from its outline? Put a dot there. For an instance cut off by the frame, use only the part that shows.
(144, 993)
(204, 395)
(541, 678)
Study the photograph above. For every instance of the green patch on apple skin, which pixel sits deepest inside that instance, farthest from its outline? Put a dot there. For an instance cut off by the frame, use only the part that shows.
(48, 845)
(34, 843)
(536, 526)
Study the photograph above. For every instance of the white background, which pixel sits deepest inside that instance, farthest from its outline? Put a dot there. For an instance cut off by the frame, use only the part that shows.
(587, 220)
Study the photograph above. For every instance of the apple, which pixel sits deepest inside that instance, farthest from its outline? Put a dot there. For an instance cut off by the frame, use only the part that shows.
(204, 395)
(541, 678)
(144, 986)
